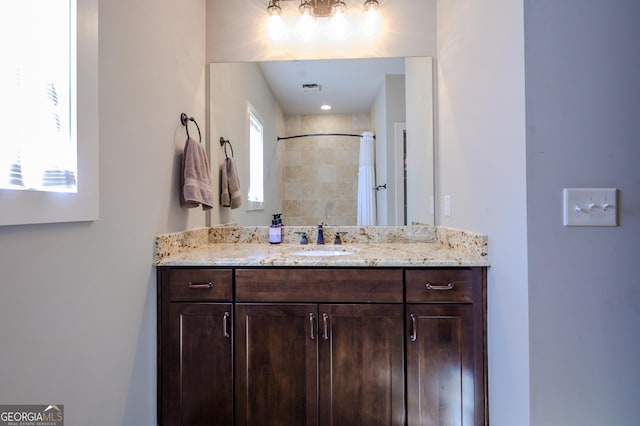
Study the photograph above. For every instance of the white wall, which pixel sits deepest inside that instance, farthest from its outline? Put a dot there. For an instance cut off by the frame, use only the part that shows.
(481, 164)
(77, 300)
(583, 99)
(420, 137)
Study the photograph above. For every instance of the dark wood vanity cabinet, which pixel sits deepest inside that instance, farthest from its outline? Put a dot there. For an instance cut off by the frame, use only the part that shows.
(319, 364)
(328, 351)
(195, 362)
(323, 346)
(446, 362)
(276, 366)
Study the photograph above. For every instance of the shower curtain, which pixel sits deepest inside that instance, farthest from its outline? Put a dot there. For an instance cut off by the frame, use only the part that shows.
(366, 182)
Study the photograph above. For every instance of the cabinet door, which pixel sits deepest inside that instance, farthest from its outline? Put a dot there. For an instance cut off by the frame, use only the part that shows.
(197, 386)
(441, 377)
(361, 365)
(276, 365)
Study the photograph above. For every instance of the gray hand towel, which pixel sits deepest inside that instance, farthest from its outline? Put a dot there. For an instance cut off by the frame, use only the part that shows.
(197, 188)
(230, 196)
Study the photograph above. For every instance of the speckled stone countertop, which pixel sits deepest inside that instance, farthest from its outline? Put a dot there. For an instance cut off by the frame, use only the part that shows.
(374, 246)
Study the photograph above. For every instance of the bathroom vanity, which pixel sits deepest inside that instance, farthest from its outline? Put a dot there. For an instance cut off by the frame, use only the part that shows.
(392, 333)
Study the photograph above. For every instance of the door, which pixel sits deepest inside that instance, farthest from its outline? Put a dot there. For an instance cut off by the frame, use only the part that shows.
(440, 366)
(361, 365)
(276, 365)
(197, 387)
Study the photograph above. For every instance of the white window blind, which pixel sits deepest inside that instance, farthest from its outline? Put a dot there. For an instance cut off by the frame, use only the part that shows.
(38, 147)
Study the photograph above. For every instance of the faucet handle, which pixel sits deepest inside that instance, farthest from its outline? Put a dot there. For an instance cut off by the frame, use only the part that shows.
(303, 237)
(338, 240)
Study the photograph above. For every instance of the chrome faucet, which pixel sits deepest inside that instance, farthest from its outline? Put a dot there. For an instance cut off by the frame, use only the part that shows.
(320, 235)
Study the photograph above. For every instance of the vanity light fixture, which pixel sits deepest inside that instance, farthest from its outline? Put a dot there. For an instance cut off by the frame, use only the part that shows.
(339, 25)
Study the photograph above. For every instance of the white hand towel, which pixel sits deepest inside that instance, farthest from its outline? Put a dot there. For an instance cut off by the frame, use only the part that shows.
(197, 188)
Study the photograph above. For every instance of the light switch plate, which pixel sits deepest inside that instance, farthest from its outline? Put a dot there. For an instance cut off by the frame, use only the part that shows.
(590, 207)
(447, 205)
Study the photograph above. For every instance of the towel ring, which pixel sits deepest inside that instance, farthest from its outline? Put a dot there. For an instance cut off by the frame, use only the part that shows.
(224, 142)
(184, 119)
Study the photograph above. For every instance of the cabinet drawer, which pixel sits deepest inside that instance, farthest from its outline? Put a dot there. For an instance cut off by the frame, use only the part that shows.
(441, 286)
(200, 284)
(319, 285)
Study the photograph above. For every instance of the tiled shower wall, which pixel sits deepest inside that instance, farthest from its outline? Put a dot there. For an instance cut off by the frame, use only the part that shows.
(320, 176)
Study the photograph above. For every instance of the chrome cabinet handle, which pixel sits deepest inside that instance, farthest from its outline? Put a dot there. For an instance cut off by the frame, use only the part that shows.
(325, 326)
(413, 333)
(200, 284)
(430, 286)
(226, 332)
(312, 330)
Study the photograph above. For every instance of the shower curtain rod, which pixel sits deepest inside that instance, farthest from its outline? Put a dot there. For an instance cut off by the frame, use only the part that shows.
(320, 134)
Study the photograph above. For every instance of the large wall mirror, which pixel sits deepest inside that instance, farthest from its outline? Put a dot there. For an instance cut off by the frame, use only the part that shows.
(311, 158)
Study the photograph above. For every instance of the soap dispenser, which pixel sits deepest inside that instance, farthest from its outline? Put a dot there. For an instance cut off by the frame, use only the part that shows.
(275, 229)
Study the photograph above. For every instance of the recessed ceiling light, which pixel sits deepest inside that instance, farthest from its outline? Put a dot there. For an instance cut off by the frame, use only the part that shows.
(325, 107)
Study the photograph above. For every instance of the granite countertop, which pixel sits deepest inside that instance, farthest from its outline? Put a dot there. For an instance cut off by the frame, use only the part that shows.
(388, 246)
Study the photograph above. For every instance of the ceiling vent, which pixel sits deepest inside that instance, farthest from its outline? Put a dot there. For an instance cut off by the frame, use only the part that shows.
(311, 88)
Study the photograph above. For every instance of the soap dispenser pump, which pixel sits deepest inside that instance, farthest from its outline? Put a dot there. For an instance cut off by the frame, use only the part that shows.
(275, 229)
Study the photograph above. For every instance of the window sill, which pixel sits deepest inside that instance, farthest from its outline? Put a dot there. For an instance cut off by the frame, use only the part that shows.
(254, 206)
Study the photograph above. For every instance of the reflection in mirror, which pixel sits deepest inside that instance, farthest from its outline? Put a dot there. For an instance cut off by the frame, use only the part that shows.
(314, 179)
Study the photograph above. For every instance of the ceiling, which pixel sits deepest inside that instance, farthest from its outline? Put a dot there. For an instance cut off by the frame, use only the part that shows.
(348, 85)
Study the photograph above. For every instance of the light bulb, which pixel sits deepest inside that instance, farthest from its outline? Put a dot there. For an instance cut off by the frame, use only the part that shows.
(275, 26)
(338, 23)
(370, 19)
(306, 27)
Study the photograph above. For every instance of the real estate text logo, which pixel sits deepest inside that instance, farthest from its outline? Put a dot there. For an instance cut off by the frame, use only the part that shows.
(32, 415)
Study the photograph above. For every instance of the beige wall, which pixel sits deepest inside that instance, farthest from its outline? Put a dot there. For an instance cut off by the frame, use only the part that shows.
(232, 88)
(235, 33)
(78, 300)
(320, 176)
(481, 164)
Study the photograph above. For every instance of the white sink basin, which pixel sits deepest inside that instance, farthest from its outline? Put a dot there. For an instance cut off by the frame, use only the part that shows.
(318, 253)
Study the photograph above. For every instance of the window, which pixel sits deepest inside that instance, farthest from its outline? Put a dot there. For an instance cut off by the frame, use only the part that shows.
(38, 147)
(256, 176)
(48, 78)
